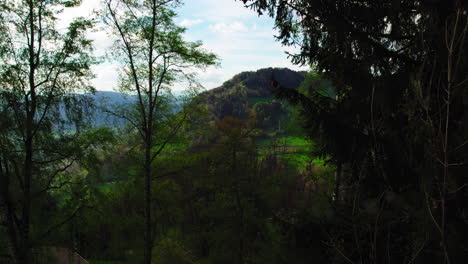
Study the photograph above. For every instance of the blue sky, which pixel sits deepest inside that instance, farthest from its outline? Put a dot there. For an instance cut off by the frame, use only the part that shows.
(242, 40)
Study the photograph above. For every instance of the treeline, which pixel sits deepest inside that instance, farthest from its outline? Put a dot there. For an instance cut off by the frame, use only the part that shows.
(222, 202)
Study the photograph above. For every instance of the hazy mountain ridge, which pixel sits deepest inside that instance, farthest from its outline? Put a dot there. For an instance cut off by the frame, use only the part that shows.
(109, 100)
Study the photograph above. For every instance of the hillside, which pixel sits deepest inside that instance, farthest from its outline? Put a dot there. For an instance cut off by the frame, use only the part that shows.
(250, 93)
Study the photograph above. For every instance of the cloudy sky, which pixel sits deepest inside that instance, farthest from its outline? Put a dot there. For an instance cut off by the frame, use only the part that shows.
(242, 40)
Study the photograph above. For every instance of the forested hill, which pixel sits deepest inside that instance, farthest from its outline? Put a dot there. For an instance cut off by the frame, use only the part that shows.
(249, 91)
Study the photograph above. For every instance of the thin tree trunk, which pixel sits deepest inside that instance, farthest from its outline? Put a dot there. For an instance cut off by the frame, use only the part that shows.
(149, 144)
(240, 210)
(338, 180)
(148, 237)
(25, 257)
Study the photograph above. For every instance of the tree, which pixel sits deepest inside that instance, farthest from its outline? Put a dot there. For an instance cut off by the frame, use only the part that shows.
(41, 119)
(399, 68)
(154, 55)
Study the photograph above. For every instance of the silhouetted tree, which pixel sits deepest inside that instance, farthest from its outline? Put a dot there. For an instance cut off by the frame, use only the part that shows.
(399, 69)
(42, 121)
(154, 55)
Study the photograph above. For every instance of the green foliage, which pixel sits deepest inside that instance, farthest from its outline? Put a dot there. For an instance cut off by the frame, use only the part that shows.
(258, 100)
(170, 251)
(216, 204)
(44, 141)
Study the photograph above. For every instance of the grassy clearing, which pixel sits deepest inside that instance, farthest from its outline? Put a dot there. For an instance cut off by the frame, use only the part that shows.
(296, 150)
(295, 141)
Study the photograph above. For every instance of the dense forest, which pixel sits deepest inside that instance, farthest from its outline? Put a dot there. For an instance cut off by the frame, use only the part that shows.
(361, 159)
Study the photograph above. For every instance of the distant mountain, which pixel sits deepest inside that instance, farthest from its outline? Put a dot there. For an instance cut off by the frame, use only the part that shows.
(251, 93)
(106, 100)
(113, 98)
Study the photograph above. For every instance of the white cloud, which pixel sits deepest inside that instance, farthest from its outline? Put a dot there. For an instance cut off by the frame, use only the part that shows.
(222, 9)
(106, 76)
(234, 27)
(85, 9)
(189, 22)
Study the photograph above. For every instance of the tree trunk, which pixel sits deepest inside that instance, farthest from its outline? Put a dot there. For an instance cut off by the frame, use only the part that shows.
(25, 239)
(25, 250)
(240, 210)
(148, 230)
(338, 180)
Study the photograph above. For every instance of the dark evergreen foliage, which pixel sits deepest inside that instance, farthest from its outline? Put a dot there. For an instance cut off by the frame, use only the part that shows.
(397, 123)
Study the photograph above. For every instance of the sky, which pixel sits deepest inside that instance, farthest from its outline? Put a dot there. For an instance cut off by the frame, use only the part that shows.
(242, 40)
